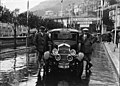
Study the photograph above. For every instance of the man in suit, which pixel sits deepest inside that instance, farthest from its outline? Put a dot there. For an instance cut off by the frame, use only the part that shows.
(40, 41)
(86, 41)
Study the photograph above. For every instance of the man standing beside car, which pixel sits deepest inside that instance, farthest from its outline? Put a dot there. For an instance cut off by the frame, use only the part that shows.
(40, 41)
(86, 41)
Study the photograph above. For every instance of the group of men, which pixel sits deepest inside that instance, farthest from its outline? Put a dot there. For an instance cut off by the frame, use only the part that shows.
(86, 41)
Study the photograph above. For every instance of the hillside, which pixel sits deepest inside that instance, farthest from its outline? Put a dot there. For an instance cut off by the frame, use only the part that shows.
(54, 5)
(44, 5)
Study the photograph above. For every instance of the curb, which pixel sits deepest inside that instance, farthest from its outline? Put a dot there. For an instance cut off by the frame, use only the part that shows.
(109, 52)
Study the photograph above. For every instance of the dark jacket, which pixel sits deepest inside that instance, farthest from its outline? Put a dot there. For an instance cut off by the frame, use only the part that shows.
(40, 42)
(86, 45)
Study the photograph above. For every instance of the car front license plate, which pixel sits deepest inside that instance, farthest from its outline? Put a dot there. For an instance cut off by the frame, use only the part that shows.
(63, 66)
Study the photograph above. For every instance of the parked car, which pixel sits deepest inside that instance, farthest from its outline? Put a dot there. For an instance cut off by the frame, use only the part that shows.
(63, 54)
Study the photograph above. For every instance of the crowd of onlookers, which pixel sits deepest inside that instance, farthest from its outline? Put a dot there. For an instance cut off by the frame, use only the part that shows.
(109, 37)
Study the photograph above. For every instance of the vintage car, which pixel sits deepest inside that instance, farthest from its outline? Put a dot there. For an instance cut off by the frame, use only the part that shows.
(64, 52)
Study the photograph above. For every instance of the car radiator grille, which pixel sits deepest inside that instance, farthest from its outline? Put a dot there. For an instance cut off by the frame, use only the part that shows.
(64, 51)
(63, 59)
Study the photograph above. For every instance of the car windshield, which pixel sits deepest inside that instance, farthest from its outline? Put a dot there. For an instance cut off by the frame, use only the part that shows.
(64, 36)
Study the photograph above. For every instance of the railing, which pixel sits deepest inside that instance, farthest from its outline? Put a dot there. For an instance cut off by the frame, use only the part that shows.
(25, 49)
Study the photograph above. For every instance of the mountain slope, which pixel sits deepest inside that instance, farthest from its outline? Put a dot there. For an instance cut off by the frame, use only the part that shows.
(54, 5)
(45, 5)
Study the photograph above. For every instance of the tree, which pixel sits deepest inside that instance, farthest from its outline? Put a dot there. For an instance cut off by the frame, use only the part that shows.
(35, 21)
(111, 2)
(5, 15)
(22, 19)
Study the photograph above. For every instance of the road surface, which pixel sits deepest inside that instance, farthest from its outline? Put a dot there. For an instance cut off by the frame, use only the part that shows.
(17, 73)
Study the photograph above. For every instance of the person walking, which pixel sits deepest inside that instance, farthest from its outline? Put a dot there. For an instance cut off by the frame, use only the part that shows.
(117, 40)
(86, 41)
(109, 37)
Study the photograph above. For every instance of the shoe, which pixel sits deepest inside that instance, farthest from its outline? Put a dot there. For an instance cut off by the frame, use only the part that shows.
(39, 83)
(88, 73)
(90, 65)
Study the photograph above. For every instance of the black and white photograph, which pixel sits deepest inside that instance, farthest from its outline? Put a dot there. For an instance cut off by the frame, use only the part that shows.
(59, 42)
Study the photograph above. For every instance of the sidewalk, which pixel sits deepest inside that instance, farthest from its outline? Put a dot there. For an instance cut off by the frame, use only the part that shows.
(114, 55)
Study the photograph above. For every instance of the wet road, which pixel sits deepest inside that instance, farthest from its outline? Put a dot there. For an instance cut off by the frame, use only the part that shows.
(103, 73)
(14, 68)
(19, 74)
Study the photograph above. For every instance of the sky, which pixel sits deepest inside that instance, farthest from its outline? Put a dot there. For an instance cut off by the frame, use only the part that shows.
(20, 4)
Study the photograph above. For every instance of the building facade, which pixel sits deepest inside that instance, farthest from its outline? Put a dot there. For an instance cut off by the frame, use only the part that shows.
(7, 30)
(114, 14)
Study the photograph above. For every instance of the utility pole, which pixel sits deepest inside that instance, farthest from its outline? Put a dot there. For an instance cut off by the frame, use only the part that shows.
(27, 37)
(61, 8)
(15, 14)
(15, 20)
(68, 23)
(62, 12)
(97, 21)
(102, 6)
(28, 30)
(115, 25)
(70, 15)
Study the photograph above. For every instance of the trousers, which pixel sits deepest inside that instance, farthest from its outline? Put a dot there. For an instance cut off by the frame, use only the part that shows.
(40, 56)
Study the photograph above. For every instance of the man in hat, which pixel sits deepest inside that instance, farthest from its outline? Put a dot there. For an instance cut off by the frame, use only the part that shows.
(86, 41)
(40, 41)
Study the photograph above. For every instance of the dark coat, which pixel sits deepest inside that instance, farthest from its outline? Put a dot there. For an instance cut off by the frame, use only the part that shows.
(86, 45)
(109, 37)
(40, 42)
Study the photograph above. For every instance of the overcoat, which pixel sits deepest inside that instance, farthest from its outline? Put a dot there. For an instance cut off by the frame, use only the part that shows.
(40, 42)
(86, 44)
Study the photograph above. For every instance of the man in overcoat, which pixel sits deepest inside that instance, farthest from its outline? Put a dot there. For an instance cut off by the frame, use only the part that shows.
(86, 41)
(40, 41)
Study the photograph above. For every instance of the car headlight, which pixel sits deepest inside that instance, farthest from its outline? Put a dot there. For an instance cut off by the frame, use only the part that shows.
(55, 51)
(69, 58)
(46, 55)
(80, 56)
(73, 52)
(58, 57)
